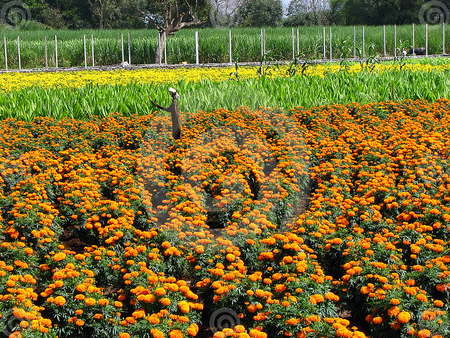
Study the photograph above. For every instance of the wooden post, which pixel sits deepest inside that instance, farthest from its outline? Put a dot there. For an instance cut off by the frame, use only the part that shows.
(18, 52)
(6, 55)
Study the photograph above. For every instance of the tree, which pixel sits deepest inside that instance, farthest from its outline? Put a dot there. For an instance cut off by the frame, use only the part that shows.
(169, 16)
(224, 12)
(259, 13)
(308, 13)
(76, 13)
(376, 12)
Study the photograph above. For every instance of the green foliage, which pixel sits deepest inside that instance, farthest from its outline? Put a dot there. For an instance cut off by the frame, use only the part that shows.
(261, 13)
(375, 12)
(213, 44)
(284, 92)
(300, 14)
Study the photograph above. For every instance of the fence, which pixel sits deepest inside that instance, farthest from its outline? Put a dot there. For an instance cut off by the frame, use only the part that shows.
(104, 52)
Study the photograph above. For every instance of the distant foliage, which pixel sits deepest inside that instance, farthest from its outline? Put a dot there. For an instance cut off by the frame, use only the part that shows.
(261, 13)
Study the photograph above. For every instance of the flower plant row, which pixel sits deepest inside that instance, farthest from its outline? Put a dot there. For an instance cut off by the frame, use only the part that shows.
(111, 228)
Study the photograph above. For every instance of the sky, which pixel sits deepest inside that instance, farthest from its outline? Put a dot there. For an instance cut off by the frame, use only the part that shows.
(285, 5)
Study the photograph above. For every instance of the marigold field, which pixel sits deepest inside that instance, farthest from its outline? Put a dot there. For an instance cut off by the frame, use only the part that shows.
(329, 221)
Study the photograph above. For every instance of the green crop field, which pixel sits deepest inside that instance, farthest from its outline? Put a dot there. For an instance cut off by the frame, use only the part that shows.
(213, 45)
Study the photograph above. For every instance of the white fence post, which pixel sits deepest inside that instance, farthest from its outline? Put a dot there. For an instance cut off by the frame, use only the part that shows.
(85, 55)
(6, 55)
(293, 44)
(92, 47)
(230, 46)
(196, 48)
(123, 52)
(262, 48)
(46, 54)
(395, 40)
(129, 49)
(426, 39)
(363, 42)
(18, 52)
(413, 41)
(354, 41)
(324, 45)
(331, 46)
(264, 41)
(384, 40)
(160, 55)
(56, 52)
(165, 49)
(298, 42)
(443, 38)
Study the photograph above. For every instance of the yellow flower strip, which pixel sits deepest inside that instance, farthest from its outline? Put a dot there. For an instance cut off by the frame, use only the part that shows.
(16, 81)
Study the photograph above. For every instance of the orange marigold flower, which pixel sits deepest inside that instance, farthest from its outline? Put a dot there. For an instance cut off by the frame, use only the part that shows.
(192, 330)
(393, 311)
(160, 291)
(239, 329)
(292, 321)
(156, 333)
(438, 303)
(175, 334)
(59, 256)
(165, 301)
(103, 301)
(377, 320)
(60, 300)
(184, 306)
(424, 333)
(404, 317)
(395, 301)
(90, 301)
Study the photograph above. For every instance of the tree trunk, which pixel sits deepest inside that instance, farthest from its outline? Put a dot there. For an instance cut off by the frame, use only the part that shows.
(159, 55)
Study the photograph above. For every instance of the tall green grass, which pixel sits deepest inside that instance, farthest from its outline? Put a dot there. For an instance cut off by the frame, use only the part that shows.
(213, 45)
(341, 87)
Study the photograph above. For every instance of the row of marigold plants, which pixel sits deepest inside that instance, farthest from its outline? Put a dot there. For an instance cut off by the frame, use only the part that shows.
(111, 228)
